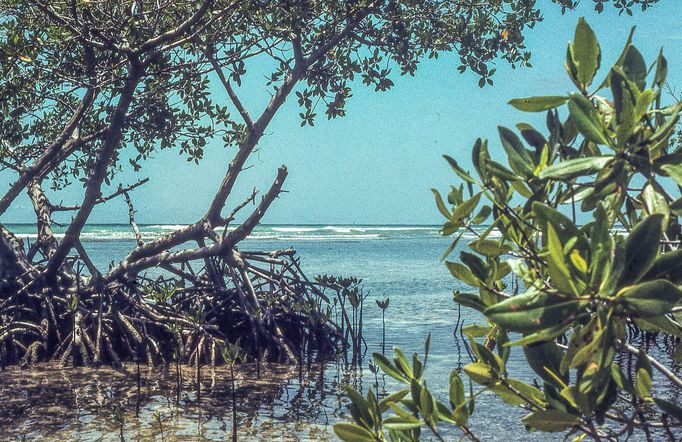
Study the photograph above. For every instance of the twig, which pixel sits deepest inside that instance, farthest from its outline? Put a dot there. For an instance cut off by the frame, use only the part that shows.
(121, 190)
(131, 216)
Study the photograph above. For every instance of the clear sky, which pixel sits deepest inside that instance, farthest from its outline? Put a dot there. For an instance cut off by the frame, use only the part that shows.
(377, 164)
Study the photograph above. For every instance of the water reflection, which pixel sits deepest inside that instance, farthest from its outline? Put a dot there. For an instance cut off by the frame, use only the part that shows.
(286, 403)
(296, 402)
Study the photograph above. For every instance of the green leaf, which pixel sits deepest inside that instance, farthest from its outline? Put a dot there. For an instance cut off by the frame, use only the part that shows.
(465, 209)
(489, 358)
(587, 119)
(516, 392)
(402, 413)
(489, 247)
(542, 336)
(479, 373)
(662, 324)
(634, 67)
(570, 169)
(538, 104)
(501, 172)
(461, 414)
(675, 172)
(667, 266)
(519, 159)
(643, 383)
(480, 157)
(641, 248)
(586, 53)
(441, 204)
(353, 433)
(462, 272)
(654, 201)
(476, 331)
(652, 298)
(387, 367)
(457, 395)
(643, 103)
(618, 84)
(533, 137)
(570, 65)
(477, 266)
(556, 264)
(564, 227)
(661, 70)
(665, 130)
(482, 215)
(621, 57)
(359, 407)
(402, 364)
(668, 407)
(545, 360)
(551, 420)
(620, 379)
(426, 404)
(588, 348)
(470, 300)
(392, 398)
(502, 270)
(401, 424)
(463, 174)
(533, 311)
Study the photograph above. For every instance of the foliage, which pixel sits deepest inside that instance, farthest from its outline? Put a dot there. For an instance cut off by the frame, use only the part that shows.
(51, 52)
(611, 162)
(90, 87)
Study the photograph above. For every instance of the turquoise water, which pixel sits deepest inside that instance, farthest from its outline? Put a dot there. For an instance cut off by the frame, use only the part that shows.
(397, 262)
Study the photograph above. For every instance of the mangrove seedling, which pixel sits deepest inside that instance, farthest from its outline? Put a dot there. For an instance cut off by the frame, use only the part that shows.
(232, 353)
(157, 418)
(119, 418)
(383, 305)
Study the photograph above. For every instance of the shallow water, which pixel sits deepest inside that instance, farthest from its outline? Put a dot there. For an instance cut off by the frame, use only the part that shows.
(288, 403)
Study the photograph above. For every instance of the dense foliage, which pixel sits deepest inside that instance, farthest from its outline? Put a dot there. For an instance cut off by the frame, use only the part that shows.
(589, 257)
(89, 87)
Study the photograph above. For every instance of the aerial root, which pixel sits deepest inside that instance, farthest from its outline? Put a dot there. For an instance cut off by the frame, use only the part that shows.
(262, 301)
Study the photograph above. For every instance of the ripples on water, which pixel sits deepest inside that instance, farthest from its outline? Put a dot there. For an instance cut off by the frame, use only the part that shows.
(288, 403)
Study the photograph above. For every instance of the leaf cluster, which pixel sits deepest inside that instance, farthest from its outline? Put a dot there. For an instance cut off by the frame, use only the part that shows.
(610, 162)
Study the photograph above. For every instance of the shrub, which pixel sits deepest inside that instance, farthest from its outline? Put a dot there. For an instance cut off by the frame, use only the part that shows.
(611, 163)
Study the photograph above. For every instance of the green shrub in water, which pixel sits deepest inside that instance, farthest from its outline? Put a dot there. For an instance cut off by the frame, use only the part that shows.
(610, 164)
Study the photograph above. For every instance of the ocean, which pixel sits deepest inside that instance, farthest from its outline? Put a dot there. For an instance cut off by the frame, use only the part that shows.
(402, 263)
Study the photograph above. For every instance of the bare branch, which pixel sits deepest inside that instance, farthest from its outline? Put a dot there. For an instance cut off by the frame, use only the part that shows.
(93, 188)
(131, 216)
(119, 191)
(178, 31)
(43, 209)
(660, 367)
(217, 249)
(86, 259)
(234, 212)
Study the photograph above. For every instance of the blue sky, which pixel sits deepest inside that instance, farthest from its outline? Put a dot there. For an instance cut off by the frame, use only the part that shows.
(376, 165)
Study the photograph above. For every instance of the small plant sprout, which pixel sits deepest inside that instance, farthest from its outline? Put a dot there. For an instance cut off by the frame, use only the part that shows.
(119, 418)
(232, 353)
(374, 369)
(158, 418)
(383, 305)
